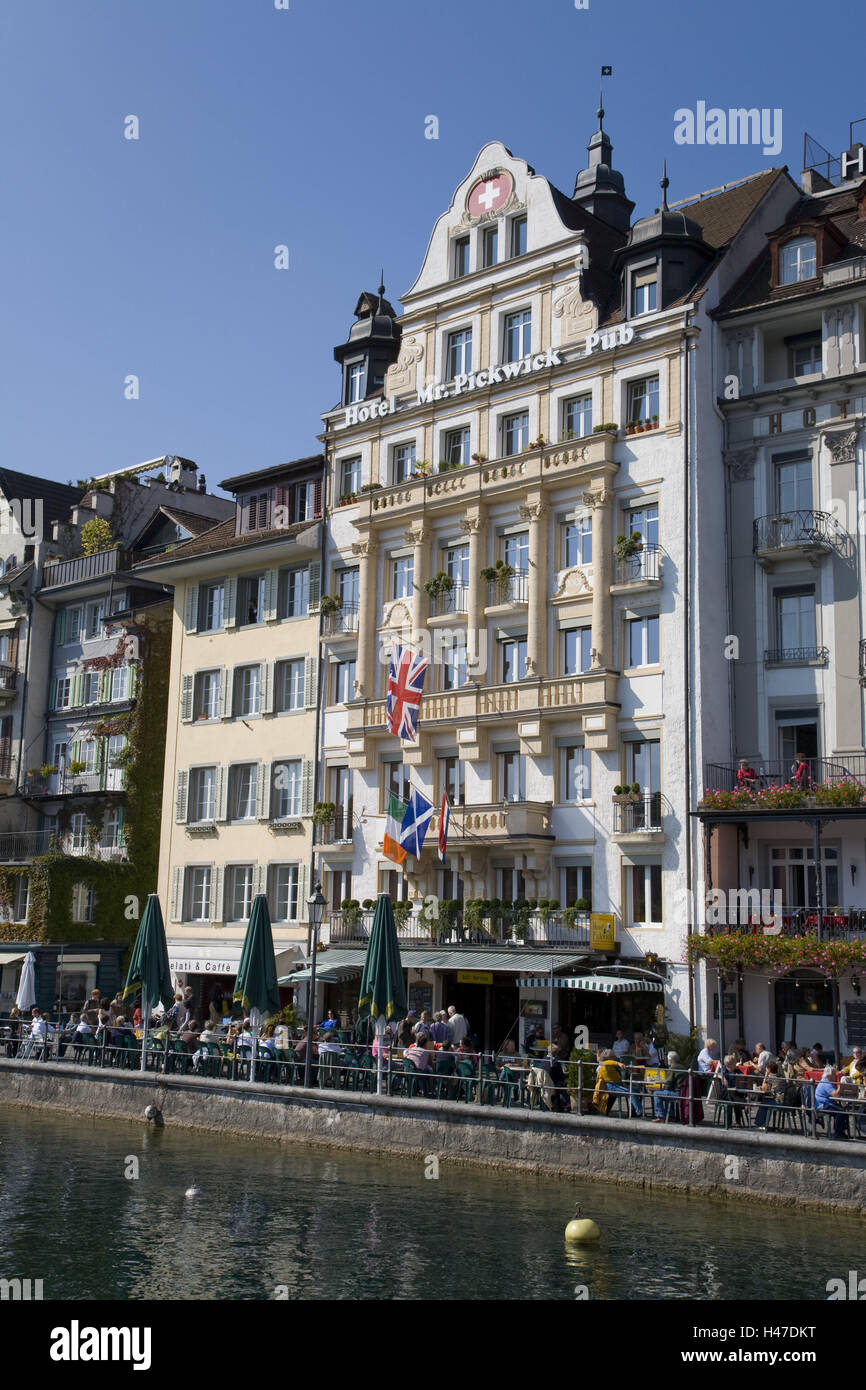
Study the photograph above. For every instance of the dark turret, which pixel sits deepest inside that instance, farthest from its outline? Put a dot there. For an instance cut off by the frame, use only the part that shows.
(371, 348)
(600, 188)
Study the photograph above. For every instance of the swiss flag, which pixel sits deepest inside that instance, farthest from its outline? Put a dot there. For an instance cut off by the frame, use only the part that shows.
(490, 194)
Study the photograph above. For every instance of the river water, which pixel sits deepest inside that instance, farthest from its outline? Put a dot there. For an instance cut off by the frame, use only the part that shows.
(291, 1221)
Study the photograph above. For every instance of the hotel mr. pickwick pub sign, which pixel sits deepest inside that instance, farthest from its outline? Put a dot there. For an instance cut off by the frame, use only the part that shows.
(436, 390)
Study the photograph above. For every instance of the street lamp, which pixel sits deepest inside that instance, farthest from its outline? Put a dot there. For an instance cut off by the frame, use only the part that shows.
(315, 911)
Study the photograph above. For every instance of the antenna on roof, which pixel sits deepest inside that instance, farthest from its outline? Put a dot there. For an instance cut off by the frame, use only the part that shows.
(381, 287)
(664, 184)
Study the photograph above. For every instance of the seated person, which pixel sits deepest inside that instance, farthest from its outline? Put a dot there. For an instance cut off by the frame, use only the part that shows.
(331, 1022)
(669, 1090)
(329, 1044)
(267, 1042)
(609, 1079)
(420, 1053)
(826, 1093)
(466, 1052)
(747, 777)
(772, 1088)
(856, 1068)
(737, 1099)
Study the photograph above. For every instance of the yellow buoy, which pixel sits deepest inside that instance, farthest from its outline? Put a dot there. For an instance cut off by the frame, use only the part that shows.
(581, 1230)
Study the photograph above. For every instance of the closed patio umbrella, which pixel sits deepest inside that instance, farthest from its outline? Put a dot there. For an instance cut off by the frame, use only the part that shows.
(256, 981)
(383, 991)
(26, 996)
(148, 973)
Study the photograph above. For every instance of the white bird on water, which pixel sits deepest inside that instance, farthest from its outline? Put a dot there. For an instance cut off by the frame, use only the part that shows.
(193, 1191)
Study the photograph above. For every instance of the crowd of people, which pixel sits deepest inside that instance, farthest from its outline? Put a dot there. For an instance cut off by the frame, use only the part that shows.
(784, 1079)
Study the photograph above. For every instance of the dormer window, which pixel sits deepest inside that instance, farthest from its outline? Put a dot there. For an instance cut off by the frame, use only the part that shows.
(797, 260)
(644, 291)
(256, 511)
(356, 382)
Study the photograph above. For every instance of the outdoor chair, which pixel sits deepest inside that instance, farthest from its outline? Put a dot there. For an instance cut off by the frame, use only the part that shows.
(414, 1083)
(445, 1084)
(330, 1064)
(466, 1087)
(513, 1091)
(210, 1062)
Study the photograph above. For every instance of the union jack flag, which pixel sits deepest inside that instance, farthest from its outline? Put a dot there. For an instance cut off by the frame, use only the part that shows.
(405, 686)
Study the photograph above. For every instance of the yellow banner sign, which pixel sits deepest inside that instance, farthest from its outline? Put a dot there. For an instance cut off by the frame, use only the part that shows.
(474, 977)
(601, 931)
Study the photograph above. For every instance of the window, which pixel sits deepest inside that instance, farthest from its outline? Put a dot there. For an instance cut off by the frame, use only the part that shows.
(197, 882)
(512, 776)
(515, 551)
(115, 768)
(112, 830)
(16, 907)
(293, 593)
(120, 683)
(577, 541)
(461, 257)
(283, 892)
(515, 433)
(94, 616)
(644, 882)
(78, 837)
(356, 382)
(348, 586)
(286, 789)
(206, 695)
(458, 358)
(402, 576)
(643, 641)
(643, 400)
(793, 869)
(74, 618)
(805, 355)
(63, 692)
(452, 780)
(456, 564)
(453, 657)
(510, 885)
(796, 625)
(518, 236)
(512, 659)
(794, 485)
(256, 511)
(577, 417)
(455, 447)
(644, 291)
(576, 880)
(344, 681)
(576, 774)
(119, 601)
(243, 779)
(83, 903)
(576, 650)
(518, 335)
(239, 892)
(643, 765)
(251, 599)
(797, 732)
(645, 521)
(211, 606)
(797, 261)
(395, 782)
(490, 245)
(90, 687)
(350, 476)
(404, 461)
(306, 500)
(289, 685)
(247, 693)
(202, 795)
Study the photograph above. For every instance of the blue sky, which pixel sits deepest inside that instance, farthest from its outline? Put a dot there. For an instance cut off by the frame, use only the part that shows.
(305, 127)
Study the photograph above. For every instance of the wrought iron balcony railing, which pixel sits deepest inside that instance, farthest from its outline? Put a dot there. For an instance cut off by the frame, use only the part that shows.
(644, 814)
(797, 530)
(515, 589)
(644, 566)
(8, 679)
(344, 619)
(499, 928)
(793, 920)
(454, 600)
(66, 783)
(337, 831)
(797, 656)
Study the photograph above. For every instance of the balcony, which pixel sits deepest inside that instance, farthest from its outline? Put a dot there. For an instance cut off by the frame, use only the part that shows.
(342, 622)
(8, 685)
(18, 846)
(641, 570)
(515, 589)
(828, 786)
(337, 831)
(846, 924)
(85, 567)
(641, 816)
(66, 783)
(797, 656)
(453, 601)
(796, 535)
(504, 820)
(342, 929)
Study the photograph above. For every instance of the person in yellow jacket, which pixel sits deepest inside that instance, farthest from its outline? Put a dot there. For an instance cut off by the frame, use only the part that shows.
(608, 1080)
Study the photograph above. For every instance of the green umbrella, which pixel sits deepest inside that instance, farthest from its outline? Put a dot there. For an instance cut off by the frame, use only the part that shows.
(383, 992)
(256, 982)
(149, 973)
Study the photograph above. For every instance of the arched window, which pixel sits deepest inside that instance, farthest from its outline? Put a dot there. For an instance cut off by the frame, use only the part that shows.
(797, 260)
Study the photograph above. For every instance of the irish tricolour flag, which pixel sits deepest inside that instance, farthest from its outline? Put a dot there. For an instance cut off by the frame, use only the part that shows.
(391, 846)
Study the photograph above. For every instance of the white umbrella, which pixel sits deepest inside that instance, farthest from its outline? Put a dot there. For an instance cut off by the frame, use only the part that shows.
(26, 996)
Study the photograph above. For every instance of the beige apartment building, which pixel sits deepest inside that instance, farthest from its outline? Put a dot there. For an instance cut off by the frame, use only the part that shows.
(241, 733)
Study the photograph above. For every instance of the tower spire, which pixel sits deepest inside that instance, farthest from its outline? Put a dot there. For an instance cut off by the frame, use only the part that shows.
(664, 184)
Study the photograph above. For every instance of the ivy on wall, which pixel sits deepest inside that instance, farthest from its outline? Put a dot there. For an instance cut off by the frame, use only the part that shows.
(778, 954)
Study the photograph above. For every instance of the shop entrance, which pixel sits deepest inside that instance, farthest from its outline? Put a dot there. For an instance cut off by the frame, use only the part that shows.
(491, 1009)
(804, 1012)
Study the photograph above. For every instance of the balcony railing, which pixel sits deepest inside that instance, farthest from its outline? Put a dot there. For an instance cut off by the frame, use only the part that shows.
(798, 531)
(55, 572)
(848, 923)
(343, 928)
(513, 590)
(643, 815)
(642, 567)
(797, 656)
(344, 619)
(66, 783)
(20, 845)
(454, 600)
(338, 831)
(8, 678)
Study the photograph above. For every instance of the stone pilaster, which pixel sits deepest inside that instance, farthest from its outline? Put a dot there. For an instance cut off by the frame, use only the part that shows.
(365, 668)
(535, 512)
(601, 502)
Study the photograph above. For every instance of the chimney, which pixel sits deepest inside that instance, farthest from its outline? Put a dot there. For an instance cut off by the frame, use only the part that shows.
(182, 472)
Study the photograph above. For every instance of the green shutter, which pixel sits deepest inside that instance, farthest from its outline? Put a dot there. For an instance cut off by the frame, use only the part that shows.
(131, 681)
(77, 692)
(182, 797)
(191, 609)
(216, 893)
(311, 681)
(60, 627)
(186, 699)
(307, 786)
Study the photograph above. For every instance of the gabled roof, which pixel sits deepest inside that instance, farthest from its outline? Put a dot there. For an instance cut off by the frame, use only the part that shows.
(222, 537)
(241, 481)
(56, 498)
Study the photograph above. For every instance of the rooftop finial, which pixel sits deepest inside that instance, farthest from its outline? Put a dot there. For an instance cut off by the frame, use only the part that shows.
(381, 283)
(600, 111)
(665, 183)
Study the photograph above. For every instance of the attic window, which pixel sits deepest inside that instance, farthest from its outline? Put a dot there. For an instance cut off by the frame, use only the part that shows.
(644, 291)
(797, 261)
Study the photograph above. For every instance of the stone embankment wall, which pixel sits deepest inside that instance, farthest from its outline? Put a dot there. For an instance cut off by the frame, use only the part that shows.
(784, 1169)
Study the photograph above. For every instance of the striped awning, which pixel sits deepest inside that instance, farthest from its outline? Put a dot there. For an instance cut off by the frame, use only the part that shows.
(600, 984)
(325, 974)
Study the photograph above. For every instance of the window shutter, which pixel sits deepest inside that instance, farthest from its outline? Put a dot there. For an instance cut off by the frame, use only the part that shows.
(227, 690)
(260, 770)
(303, 891)
(75, 754)
(77, 691)
(60, 627)
(13, 647)
(266, 678)
(263, 791)
(259, 879)
(317, 498)
(182, 797)
(176, 909)
(104, 686)
(307, 769)
(186, 699)
(220, 793)
(315, 573)
(230, 616)
(270, 604)
(131, 681)
(311, 681)
(191, 614)
(217, 875)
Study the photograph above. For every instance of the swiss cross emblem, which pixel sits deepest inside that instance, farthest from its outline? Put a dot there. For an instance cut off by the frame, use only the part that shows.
(489, 194)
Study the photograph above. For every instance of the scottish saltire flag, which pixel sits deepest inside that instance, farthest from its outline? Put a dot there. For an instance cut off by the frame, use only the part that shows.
(444, 823)
(405, 686)
(394, 817)
(418, 815)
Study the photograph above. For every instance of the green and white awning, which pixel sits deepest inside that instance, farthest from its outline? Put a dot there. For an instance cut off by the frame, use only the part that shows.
(600, 984)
